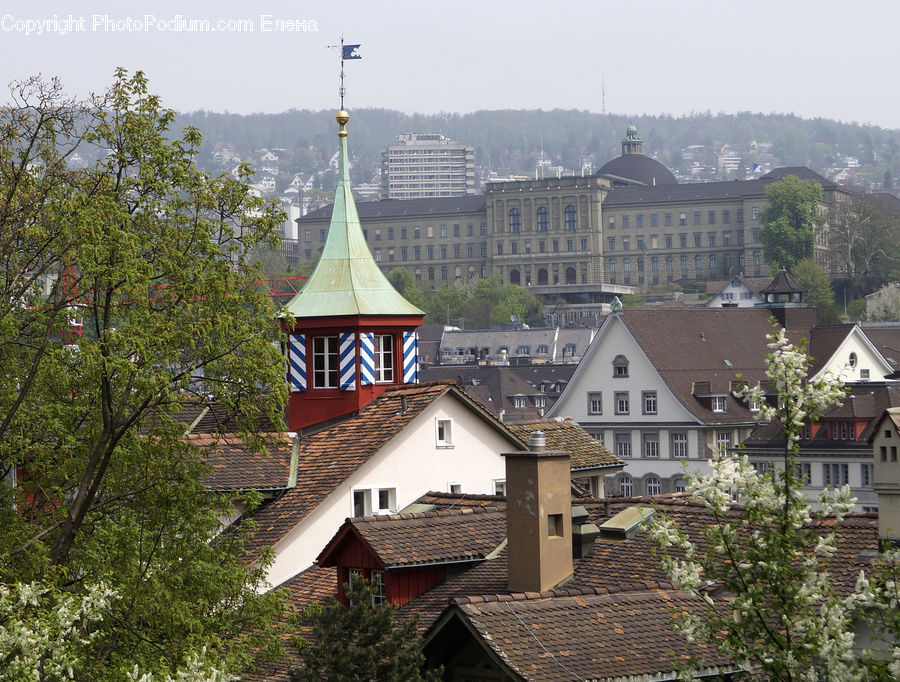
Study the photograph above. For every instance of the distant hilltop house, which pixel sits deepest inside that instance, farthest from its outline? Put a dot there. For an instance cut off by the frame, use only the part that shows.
(580, 239)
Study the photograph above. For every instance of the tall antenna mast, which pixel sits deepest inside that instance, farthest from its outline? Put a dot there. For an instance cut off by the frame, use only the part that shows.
(602, 90)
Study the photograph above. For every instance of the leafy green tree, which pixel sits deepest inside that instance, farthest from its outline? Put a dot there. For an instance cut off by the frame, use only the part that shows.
(865, 242)
(363, 641)
(269, 260)
(819, 291)
(145, 255)
(789, 221)
(404, 281)
(632, 301)
(776, 610)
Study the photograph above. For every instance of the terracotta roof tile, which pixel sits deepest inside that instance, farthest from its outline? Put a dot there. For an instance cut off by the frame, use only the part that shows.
(234, 466)
(689, 344)
(591, 636)
(586, 452)
(329, 456)
(445, 536)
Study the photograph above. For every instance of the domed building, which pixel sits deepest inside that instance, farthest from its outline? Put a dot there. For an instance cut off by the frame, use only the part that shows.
(633, 168)
(582, 239)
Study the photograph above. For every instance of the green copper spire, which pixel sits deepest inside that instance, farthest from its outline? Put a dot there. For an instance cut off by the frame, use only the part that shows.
(347, 281)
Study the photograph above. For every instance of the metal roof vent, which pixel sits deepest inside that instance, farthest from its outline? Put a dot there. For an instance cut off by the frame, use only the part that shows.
(625, 524)
(537, 441)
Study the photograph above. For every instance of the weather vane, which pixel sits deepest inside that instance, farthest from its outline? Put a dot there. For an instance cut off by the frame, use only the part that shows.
(347, 52)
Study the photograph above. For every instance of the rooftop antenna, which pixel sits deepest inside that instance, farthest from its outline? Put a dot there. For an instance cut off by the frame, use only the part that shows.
(603, 91)
(347, 52)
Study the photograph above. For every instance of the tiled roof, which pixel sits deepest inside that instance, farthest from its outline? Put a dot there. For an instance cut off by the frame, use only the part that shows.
(315, 585)
(783, 283)
(211, 417)
(234, 466)
(824, 340)
(329, 456)
(585, 451)
(687, 344)
(601, 635)
(755, 284)
(437, 537)
(886, 338)
(613, 619)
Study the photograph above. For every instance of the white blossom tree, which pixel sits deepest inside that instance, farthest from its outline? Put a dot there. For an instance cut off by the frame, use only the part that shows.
(762, 566)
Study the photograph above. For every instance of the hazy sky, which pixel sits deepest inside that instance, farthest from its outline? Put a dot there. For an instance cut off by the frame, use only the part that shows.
(826, 58)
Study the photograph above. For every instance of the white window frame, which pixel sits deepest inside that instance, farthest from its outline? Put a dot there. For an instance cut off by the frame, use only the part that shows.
(391, 507)
(680, 446)
(443, 432)
(719, 403)
(723, 442)
(866, 474)
(628, 483)
(650, 444)
(499, 486)
(328, 375)
(595, 402)
(623, 404)
(656, 483)
(367, 501)
(385, 358)
(624, 441)
(649, 404)
(835, 474)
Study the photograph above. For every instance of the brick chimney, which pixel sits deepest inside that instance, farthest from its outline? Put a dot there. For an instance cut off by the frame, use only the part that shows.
(538, 517)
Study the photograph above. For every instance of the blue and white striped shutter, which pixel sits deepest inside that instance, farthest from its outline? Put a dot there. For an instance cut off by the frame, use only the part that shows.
(296, 362)
(366, 358)
(410, 358)
(347, 361)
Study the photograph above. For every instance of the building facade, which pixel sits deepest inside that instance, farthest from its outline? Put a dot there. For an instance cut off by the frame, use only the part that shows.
(629, 225)
(427, 165)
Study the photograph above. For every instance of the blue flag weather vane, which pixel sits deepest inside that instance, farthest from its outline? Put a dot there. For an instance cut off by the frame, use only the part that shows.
(347, 52)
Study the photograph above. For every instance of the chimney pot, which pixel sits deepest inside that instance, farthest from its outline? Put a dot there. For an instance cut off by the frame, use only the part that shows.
(537, 441)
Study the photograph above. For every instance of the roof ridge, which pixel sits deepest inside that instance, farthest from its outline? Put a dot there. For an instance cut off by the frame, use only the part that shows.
(622, 588)
(436, 513)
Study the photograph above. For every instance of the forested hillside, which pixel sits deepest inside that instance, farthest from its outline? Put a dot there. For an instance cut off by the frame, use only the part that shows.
(509, 141)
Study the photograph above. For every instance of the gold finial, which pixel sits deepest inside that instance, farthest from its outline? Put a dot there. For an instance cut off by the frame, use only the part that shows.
(342, 117)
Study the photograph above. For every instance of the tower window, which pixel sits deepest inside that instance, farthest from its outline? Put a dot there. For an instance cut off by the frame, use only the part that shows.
(325, 362)
(384, 358)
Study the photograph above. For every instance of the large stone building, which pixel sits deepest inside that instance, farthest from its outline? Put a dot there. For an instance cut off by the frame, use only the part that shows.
(585, 238)
(427, 165)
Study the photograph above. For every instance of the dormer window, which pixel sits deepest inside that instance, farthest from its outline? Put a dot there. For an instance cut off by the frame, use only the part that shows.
(718, 403)
(620, 367)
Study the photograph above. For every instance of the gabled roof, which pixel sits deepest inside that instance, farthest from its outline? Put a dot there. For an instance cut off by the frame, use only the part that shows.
(590, 634)
(690, 344)
(234, 466)
(886, 338)
(585, 451)
(347, 281)
(754, 284)
(329, 456)
(824, 340)
(437, 537)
